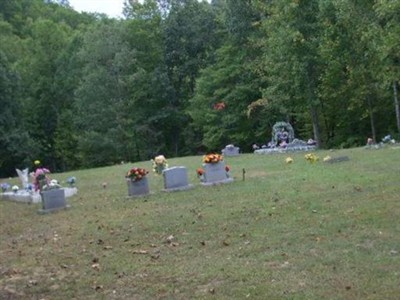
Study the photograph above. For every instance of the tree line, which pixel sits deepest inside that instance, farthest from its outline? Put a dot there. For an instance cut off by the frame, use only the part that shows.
(183, 77)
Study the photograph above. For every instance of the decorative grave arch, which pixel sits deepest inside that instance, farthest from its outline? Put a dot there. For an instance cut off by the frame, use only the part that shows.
(277, 128)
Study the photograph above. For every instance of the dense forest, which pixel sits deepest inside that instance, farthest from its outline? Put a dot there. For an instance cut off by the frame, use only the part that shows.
(183, 77)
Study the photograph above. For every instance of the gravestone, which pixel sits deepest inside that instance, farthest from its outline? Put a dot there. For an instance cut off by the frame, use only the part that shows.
(230, 150)
(176, 179)
(215, 173)
(338, 159)
(138, 188)
(53, 200)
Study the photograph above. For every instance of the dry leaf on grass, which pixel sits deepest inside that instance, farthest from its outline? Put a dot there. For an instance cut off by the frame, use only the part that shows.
(140, 252)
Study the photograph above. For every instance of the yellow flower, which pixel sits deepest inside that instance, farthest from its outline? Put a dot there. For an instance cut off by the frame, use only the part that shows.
(159, 159)
(36, 162)
(311, 157)
(326, 158)
(289, 160)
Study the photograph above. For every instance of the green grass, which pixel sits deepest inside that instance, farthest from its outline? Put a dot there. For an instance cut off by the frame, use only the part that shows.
(288, 231)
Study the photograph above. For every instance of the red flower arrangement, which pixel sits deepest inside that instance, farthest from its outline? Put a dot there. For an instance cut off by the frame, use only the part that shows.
(136, 174)
(212, 158)
(200, 172)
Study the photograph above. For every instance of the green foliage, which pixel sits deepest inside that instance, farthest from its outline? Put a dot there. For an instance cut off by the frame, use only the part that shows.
(228, 81)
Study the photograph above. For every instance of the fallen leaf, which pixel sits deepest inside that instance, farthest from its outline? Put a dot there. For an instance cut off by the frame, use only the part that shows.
(140, 252)
(170, 239)
(98, 288)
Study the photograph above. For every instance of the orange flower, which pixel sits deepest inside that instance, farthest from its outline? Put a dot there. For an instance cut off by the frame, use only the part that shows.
(200, 172)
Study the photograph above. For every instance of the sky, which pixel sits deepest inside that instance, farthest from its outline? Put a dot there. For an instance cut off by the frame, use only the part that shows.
(113, 8)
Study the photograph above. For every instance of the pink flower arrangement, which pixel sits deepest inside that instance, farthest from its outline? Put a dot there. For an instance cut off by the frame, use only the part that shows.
(41, 178)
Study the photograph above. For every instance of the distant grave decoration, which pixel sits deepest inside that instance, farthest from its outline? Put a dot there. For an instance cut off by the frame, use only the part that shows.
(283, 140)
(219, 106)
(311, 158)
(214, 170)
(138, 184)
(159, 164)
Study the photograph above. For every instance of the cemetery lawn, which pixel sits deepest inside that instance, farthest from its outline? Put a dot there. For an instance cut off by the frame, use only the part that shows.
(288, 231)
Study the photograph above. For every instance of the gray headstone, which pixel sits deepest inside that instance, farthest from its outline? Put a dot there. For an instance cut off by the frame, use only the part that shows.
(138, 188)
(53, 200)
(176, 178)
(215, 173)
(230, 150)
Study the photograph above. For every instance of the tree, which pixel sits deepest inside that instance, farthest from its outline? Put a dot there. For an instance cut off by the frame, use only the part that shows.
(189, 41)
(16, 146)
(291, 60)
(389, 20)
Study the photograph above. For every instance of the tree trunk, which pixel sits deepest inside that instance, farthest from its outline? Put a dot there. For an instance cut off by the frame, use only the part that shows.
(371, 118)
(315, 123)
(396, 103)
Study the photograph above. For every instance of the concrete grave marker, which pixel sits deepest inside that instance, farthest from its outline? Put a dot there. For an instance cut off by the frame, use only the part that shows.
(215, 173)
(53, 200)
(138, 188)
(176, 179)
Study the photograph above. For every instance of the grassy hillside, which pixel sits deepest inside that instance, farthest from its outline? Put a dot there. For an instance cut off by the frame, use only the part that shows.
(288, 231)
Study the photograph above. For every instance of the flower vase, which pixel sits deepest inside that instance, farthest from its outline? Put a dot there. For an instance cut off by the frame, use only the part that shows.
(138, 188)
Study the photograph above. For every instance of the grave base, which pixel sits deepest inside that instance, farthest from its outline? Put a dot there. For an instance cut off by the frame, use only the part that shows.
(181, 188)
(23, 197)
(228, 180)
(47, 211)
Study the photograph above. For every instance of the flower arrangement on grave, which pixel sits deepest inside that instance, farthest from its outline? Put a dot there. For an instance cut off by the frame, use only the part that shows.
(327, 158)
(312, 158)
(71, 181)
(228, 170)
(159, 164)
(289, 160)
(15, 188)
(40, 178)
(200, 173)
(136, 174)
(212, 158)
(4, 186)
(53, 184)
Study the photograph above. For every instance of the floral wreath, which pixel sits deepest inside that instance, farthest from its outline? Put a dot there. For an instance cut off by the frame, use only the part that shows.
(212, 158)
(136, 174)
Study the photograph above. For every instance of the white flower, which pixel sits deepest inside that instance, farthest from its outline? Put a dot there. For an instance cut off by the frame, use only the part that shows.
(15, 188)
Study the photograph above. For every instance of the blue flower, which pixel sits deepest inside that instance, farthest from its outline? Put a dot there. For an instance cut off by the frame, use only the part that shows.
(71, 180)
(4, 186)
